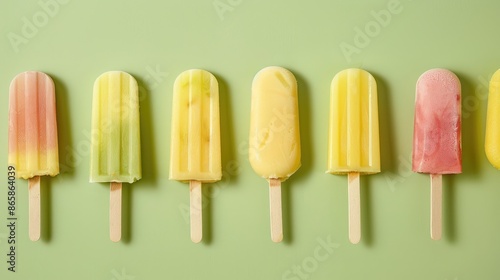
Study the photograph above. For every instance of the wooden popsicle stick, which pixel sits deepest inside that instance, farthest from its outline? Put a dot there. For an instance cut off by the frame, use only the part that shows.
(354, 208)
(275, 210)
(115, 211)
(34, 208)
(436, 206)
(195, 211)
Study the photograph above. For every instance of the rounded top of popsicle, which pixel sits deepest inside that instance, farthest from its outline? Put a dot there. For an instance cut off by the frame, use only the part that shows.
(284, 75)
(272, 68)
(446, 80)
(195, 71)
(353, 71)
(496, 76)
(114, 72)
(495, 82)
(31, 74)
(184, 79)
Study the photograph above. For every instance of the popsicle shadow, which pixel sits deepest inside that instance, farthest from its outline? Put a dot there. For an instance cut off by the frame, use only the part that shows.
(207, 214)
(126, 212)
(286, 198)
(68, 161)
(387, 160)
(148, 159)
(472, 109)
(148, 145)
(228, 151)
(228, 157)
(472, 125)
(449, 208)
(366, 210)
(305, 120)
(46, 208)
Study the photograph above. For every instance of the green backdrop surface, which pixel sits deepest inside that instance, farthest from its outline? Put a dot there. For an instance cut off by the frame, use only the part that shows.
(75, 41)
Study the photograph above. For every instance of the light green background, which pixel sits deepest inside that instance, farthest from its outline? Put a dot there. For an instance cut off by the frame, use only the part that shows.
(86, 38)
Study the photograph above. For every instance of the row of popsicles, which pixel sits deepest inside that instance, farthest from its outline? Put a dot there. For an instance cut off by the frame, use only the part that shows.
(353, 146)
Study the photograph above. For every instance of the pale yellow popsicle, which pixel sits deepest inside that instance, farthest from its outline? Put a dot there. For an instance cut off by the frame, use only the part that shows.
(195, 152)
(274, 124)
(492, 137)
(353, 146)
(274, 135)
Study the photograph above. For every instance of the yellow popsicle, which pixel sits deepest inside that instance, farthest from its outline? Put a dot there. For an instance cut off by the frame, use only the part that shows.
(274, 124)
(195, 137)
(195, 152)
(492, 137)
(353, 146)
(274, 135)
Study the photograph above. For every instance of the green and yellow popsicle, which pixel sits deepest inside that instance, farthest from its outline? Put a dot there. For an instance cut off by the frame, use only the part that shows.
(115, 154)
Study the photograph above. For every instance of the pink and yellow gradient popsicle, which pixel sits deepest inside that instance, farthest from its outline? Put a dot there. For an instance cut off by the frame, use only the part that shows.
(33, 149)
(437, 143)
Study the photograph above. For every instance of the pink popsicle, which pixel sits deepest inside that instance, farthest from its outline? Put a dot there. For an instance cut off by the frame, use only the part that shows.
(437, 145)
(33, 149)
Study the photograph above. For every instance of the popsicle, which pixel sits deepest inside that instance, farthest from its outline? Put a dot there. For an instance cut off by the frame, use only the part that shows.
(492, 137)
(115, 154)
(437, 144)
(195, 152)
(353, 145)
(33, 149)
(274, 149)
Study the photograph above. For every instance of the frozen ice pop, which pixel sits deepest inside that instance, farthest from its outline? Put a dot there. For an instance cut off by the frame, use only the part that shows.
(274, 150)
(195, 152)
(353, 146)
(437, 145)
(33, 149)
(115, 154)
(492, 137)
